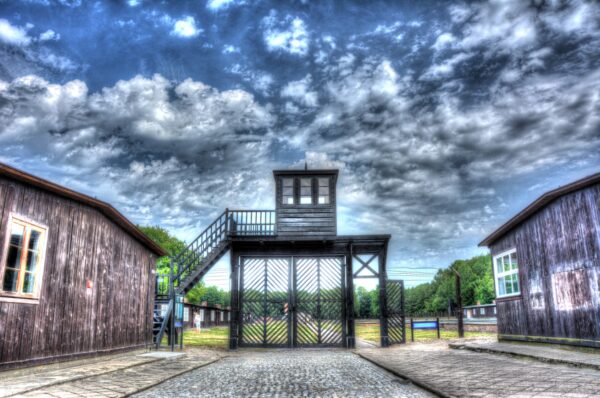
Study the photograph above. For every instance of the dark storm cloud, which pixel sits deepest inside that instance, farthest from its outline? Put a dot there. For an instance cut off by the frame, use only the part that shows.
(444, 120)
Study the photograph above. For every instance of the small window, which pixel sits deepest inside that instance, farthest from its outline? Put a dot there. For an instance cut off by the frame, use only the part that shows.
(506, 271)
(494, 310)
(306, 191)
(186, 314)
(23, 267)
(323, 191)
(288, 191)
(482, 310)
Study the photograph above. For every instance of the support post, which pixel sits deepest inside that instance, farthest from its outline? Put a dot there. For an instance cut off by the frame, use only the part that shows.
(461, 327)
(437, 323)
(234, 314)
(383, 297)
(174, 308)
(412, 331)
(350, 332)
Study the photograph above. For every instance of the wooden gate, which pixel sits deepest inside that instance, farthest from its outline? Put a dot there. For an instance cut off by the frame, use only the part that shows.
(396, 320)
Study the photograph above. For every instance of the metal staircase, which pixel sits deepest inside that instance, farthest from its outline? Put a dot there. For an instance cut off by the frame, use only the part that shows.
(191, 264)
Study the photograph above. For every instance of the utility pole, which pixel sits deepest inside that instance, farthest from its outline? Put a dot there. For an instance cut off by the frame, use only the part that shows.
(461, 326)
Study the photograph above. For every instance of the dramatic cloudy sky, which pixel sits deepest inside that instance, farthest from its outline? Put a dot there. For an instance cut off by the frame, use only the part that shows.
(445, 119)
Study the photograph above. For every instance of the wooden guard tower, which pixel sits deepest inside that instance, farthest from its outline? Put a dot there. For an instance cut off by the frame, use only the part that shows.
(291, 274)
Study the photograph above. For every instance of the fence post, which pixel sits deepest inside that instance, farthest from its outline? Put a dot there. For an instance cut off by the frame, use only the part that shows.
(412, 331)
(461, 327)
(437, 322)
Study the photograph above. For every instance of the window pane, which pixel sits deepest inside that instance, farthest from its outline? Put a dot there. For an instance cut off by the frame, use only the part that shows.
(499, 265)
(288, 191)
(506, 263)
(10, 280)
(289, 200)
(305, 191)
(28, 283)
(516, 288)
(31, 260)
(16, 235)
(34, 240)
(288, 182)
(323, 200)
(14, 257)
(513, 261)
(501, 289)
(508, 285)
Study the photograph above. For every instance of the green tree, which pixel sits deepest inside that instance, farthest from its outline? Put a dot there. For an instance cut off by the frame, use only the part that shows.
(164, 239)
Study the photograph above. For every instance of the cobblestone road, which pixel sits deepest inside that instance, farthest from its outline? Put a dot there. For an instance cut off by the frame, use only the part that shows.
(287, 373)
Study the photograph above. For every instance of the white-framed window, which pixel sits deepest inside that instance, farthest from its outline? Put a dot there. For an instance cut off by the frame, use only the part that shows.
(212, 315)
(23, 261)
(287, 186)
(306, 191)
(482, 310)
(323, 191)
(506, 274)
(202, 315)
(186, 314)
(494, 310)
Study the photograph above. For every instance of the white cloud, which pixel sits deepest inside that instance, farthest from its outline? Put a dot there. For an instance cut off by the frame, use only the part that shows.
(300, 92)
(288, 35)
(230, 49)
(446, 67)
(13, 35)
(49, 35)
(215, 5)
(186, 27)
(444, 40)
(180, 150)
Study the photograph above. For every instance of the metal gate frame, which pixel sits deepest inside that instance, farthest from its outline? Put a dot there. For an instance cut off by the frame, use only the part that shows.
(253, 336)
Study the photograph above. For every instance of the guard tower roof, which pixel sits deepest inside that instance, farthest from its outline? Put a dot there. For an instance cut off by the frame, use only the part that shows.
(328, 172)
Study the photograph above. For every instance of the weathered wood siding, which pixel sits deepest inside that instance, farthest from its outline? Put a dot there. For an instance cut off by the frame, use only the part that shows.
(558, 250)
(306, 220)
(71, 319)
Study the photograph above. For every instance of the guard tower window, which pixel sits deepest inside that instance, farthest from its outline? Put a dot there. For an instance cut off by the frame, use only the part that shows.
(305, 191)
(323, 191)
(288, 191)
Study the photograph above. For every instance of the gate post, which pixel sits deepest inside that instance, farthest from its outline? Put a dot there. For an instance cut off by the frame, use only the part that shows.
(350, 334)
(234, 314)
(383, 310)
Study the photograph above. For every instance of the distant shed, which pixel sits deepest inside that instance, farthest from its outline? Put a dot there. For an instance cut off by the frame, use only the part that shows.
(546, 263)
(76, 275)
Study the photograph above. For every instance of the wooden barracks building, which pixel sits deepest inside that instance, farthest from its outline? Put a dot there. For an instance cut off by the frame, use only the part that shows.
(77, 278)
(546, 263)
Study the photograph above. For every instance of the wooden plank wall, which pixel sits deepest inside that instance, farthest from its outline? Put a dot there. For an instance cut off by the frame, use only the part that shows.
(71, 319)
(306, 220)
(558, 250)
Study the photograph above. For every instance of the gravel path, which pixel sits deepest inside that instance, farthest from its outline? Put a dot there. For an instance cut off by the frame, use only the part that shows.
(287, 373)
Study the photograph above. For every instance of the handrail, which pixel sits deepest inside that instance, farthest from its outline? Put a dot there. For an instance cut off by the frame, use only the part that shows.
(252, 223)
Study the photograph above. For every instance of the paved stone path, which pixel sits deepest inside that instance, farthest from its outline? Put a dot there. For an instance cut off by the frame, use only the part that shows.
(462, 373)
(287, 373)
(117, 378)
(544, 353)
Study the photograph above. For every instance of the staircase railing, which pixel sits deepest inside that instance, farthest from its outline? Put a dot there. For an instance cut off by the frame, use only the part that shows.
(199, 249)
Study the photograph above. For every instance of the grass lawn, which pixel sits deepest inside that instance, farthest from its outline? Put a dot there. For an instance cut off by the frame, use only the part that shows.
(215, 337)
(370, 332)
